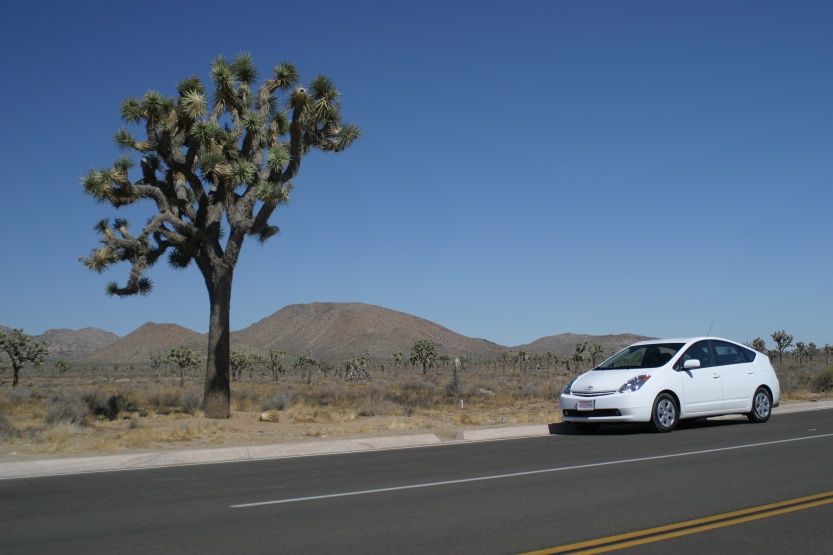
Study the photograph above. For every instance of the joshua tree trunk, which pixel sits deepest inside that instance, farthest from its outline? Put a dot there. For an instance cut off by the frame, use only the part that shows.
(217, 395)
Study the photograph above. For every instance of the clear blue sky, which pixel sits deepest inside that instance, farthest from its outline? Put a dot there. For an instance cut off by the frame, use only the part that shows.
(527, 168)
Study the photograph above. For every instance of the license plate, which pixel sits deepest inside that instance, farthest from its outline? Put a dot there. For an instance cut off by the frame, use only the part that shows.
(585, 405)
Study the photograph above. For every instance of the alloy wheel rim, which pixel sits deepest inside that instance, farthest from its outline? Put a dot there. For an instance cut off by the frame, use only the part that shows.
(665, 412)
(762, 405)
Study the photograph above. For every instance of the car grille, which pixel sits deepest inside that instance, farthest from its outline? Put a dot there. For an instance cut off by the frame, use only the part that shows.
(592, 393)
(599, 412)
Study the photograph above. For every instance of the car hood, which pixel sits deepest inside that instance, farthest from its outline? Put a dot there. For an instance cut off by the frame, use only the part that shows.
(600, 381)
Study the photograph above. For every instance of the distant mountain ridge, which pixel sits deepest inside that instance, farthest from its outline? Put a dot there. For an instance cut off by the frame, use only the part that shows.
(66, 343)
(325, 331)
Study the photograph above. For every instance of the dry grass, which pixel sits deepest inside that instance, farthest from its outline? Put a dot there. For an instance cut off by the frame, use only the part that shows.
(69, 415)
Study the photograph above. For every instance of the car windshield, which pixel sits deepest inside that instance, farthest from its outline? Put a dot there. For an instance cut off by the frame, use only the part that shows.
(642, 356)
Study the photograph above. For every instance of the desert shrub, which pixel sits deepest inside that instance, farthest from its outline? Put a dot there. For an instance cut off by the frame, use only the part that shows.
(379, 406)
(245, 400)
(107, 406)
(66, 409)
(823, 382)
(7, 430)
(164, 400)
(191, 402)
(278, 401)
(419, 394)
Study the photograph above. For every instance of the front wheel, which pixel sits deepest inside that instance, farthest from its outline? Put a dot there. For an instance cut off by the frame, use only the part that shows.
(761, 406)
(665, 414)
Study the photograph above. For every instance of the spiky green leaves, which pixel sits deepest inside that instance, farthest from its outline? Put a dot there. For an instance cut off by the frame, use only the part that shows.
(97, 185)
(278, 158)
(244, 172)
(221, 71)
(194, 104)
(286, 76)
(99, 260)
(190, 85)
(205, 131)
(243, 68)
(324, 97)
(280, 123)
(142, 286)
(342, 137)
(272, 193)
(178, 259)
(123, 139)
(131, 110)
(251, 121)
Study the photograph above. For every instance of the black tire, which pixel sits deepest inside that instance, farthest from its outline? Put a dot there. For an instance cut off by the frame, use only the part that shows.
(586, 427)
(666, 413)
(761, 406)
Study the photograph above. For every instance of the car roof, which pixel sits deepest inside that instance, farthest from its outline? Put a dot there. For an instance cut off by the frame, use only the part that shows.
(683, 340)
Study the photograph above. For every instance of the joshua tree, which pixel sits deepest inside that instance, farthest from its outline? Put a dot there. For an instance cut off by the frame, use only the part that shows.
(397, 358)
(62, 366)
(21, 349)
(215, 166)
(276, 362)
(800, 350)
(424, 352)
(782, 341)
(596, 351)
(306, 363)
(184, 358)
(759, 345)
(812, 350)
(238, 362)
(578, 357)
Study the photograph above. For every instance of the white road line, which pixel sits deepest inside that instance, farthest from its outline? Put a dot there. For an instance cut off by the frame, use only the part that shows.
(518, 474)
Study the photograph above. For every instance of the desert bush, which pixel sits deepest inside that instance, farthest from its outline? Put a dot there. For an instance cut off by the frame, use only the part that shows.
(380, 406)
(191, 402)
(245, 399)
(101, 404)
(166, 400)
(7, 429)
(419, 395)
(823, 382)
(67, 409)
(278, 401)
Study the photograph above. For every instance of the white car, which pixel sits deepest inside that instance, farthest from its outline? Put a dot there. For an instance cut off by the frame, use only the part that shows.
(664, 381)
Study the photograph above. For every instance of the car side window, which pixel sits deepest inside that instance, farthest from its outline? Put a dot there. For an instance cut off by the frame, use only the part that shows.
(701, 352)
(749, 354)
(727, 353)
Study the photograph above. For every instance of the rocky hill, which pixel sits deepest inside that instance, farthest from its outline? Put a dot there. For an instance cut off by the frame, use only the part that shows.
(150, 338)
(66, 343)
(565, 344)
(337, 331)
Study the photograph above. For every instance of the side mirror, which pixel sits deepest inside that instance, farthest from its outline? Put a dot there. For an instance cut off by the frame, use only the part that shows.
(691, 363)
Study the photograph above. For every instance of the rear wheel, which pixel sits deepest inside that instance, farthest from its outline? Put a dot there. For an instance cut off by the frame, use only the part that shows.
(666, 413)
(761, 406)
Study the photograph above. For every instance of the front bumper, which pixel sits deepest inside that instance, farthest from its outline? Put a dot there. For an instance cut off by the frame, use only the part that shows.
(612, 407)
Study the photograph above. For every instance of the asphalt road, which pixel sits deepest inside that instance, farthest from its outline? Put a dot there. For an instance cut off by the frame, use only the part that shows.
(511, 496)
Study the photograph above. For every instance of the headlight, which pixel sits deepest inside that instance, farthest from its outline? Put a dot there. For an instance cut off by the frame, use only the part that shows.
(634, 383)
(568, 386)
